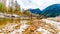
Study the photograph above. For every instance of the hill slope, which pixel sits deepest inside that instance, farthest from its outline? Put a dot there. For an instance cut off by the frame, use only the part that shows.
(52, 11)
(35, 11)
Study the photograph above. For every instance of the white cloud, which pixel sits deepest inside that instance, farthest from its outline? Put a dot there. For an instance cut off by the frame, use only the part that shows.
(42, 4)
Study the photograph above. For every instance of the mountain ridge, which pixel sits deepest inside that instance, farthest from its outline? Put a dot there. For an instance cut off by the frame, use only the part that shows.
(50, 11)
(35, 11)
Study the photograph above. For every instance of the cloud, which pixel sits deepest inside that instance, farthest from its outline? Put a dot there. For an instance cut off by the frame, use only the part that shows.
(42, 4)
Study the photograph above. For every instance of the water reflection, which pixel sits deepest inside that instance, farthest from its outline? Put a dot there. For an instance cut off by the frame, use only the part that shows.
(4, 21)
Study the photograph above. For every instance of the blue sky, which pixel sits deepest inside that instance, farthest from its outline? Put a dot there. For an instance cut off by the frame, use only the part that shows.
(41, 4)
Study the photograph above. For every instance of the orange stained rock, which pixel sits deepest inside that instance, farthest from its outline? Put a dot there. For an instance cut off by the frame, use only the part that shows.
(17, 33)
(18, 26)
(37, 32)
(32, 27)
(5, 32)
(1, 33)
(27, 32)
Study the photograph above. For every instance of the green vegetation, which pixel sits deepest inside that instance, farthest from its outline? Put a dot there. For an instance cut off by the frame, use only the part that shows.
(10, 9)
(3, 7)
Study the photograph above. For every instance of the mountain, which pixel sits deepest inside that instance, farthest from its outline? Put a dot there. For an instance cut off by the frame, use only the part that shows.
(52, 11)
(35, 11)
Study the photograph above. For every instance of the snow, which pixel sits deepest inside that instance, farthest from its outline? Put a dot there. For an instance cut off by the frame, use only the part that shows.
(43, 31)
(57, 24)
(22, 28)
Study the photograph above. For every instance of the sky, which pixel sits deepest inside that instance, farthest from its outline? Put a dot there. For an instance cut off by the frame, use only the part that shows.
(33, 4)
